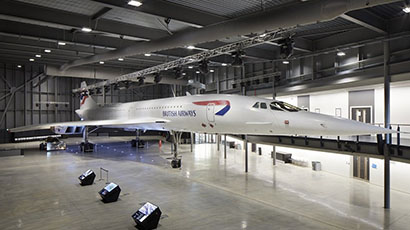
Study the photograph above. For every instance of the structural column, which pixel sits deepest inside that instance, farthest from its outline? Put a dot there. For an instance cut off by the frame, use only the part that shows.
(246, 153)
(103, 95)
(273, 147)
(387, 124)
(225, 147)
(218, 140)
(192, 142)
(274, 155)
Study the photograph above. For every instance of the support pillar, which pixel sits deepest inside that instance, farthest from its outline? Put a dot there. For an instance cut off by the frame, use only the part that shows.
(274, 155)
(387, 124)
(192, 142)
(243, 89)
(225, 147)
(246, 153)
(103, 95)
(218, 140)
(85, 145)
(273, 147)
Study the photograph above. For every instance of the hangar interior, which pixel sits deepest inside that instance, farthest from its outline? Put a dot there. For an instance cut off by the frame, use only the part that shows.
(350, 61)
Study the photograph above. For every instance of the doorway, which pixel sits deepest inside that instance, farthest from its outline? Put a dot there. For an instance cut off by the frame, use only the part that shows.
(362, 114)
(360, 163)
(361, 167)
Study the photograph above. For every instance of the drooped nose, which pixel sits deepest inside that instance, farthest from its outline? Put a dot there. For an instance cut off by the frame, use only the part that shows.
(345, 127)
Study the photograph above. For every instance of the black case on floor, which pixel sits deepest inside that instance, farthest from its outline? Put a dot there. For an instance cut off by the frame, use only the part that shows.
(147, 217)
(110, 193)
(87, 178)
(176, 163)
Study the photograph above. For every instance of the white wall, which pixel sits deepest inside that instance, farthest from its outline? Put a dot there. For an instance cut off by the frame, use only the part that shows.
(327, 103)
(399, 174)
(399, 106)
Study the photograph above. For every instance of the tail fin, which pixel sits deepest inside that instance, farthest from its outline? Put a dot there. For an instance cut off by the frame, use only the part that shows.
(86, 101)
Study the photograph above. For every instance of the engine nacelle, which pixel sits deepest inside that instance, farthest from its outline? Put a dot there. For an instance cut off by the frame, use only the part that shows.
(67, 130)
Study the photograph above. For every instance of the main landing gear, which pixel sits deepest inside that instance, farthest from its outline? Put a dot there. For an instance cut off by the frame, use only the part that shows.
(86, 146)
(175, 160)
(137, 142)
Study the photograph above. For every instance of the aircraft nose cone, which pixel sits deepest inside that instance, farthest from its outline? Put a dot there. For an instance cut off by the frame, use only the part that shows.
(340, 126)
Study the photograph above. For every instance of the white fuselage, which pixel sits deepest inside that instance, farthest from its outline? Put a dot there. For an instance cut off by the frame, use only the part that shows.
(227, 114)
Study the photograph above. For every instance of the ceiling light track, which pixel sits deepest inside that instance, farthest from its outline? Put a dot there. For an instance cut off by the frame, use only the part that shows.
(226, 49)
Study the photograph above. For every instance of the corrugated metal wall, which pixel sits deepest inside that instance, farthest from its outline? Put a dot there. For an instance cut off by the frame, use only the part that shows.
(33, 103)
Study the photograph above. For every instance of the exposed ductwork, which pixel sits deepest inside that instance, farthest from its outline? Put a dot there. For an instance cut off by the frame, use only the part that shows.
(285, 17)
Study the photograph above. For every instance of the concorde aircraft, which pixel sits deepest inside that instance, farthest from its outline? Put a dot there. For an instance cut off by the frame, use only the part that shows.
(210, 113)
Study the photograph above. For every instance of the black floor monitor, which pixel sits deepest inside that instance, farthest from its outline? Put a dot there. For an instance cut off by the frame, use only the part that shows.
(110, 193)
(87, 178)
(147, 217)
(176, 163)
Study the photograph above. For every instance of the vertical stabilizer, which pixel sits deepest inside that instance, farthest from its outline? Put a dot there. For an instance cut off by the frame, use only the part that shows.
(86, 101)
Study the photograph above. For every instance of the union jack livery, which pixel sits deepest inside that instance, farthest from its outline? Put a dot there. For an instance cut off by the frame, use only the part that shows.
(221, 112)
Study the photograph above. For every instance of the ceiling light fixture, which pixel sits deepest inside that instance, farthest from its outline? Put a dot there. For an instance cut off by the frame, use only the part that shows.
(86, 29)
(38, 55)
(190, 67)
(101, 63)
(147, 55)
(47, 51)
(18, 66)
(134, 3)
(183, 74)
(31, 59)
(224, 64)
(190, 47)
(211, 70)
(120, 59)
(341, 54)
(197, 72)
(406, 9)
(286, 62)
(62, 43)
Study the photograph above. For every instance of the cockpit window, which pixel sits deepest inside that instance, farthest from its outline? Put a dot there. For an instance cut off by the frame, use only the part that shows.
(285, 106)
(274, 107)
(256, 105)
(263, 105)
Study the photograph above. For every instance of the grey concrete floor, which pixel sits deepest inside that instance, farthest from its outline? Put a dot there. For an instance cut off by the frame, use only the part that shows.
(40, 191)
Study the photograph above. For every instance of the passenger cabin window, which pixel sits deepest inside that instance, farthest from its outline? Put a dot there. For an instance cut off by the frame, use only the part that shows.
(256, 105)
(263, 105)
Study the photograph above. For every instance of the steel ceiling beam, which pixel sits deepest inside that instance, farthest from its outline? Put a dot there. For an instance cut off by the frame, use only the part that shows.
(166, 9)
(367, 19)
(34, 47)
(336, 40)
(48, 37)
(285, 17)
(101, 13)
(17, 28)
(33, 14)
